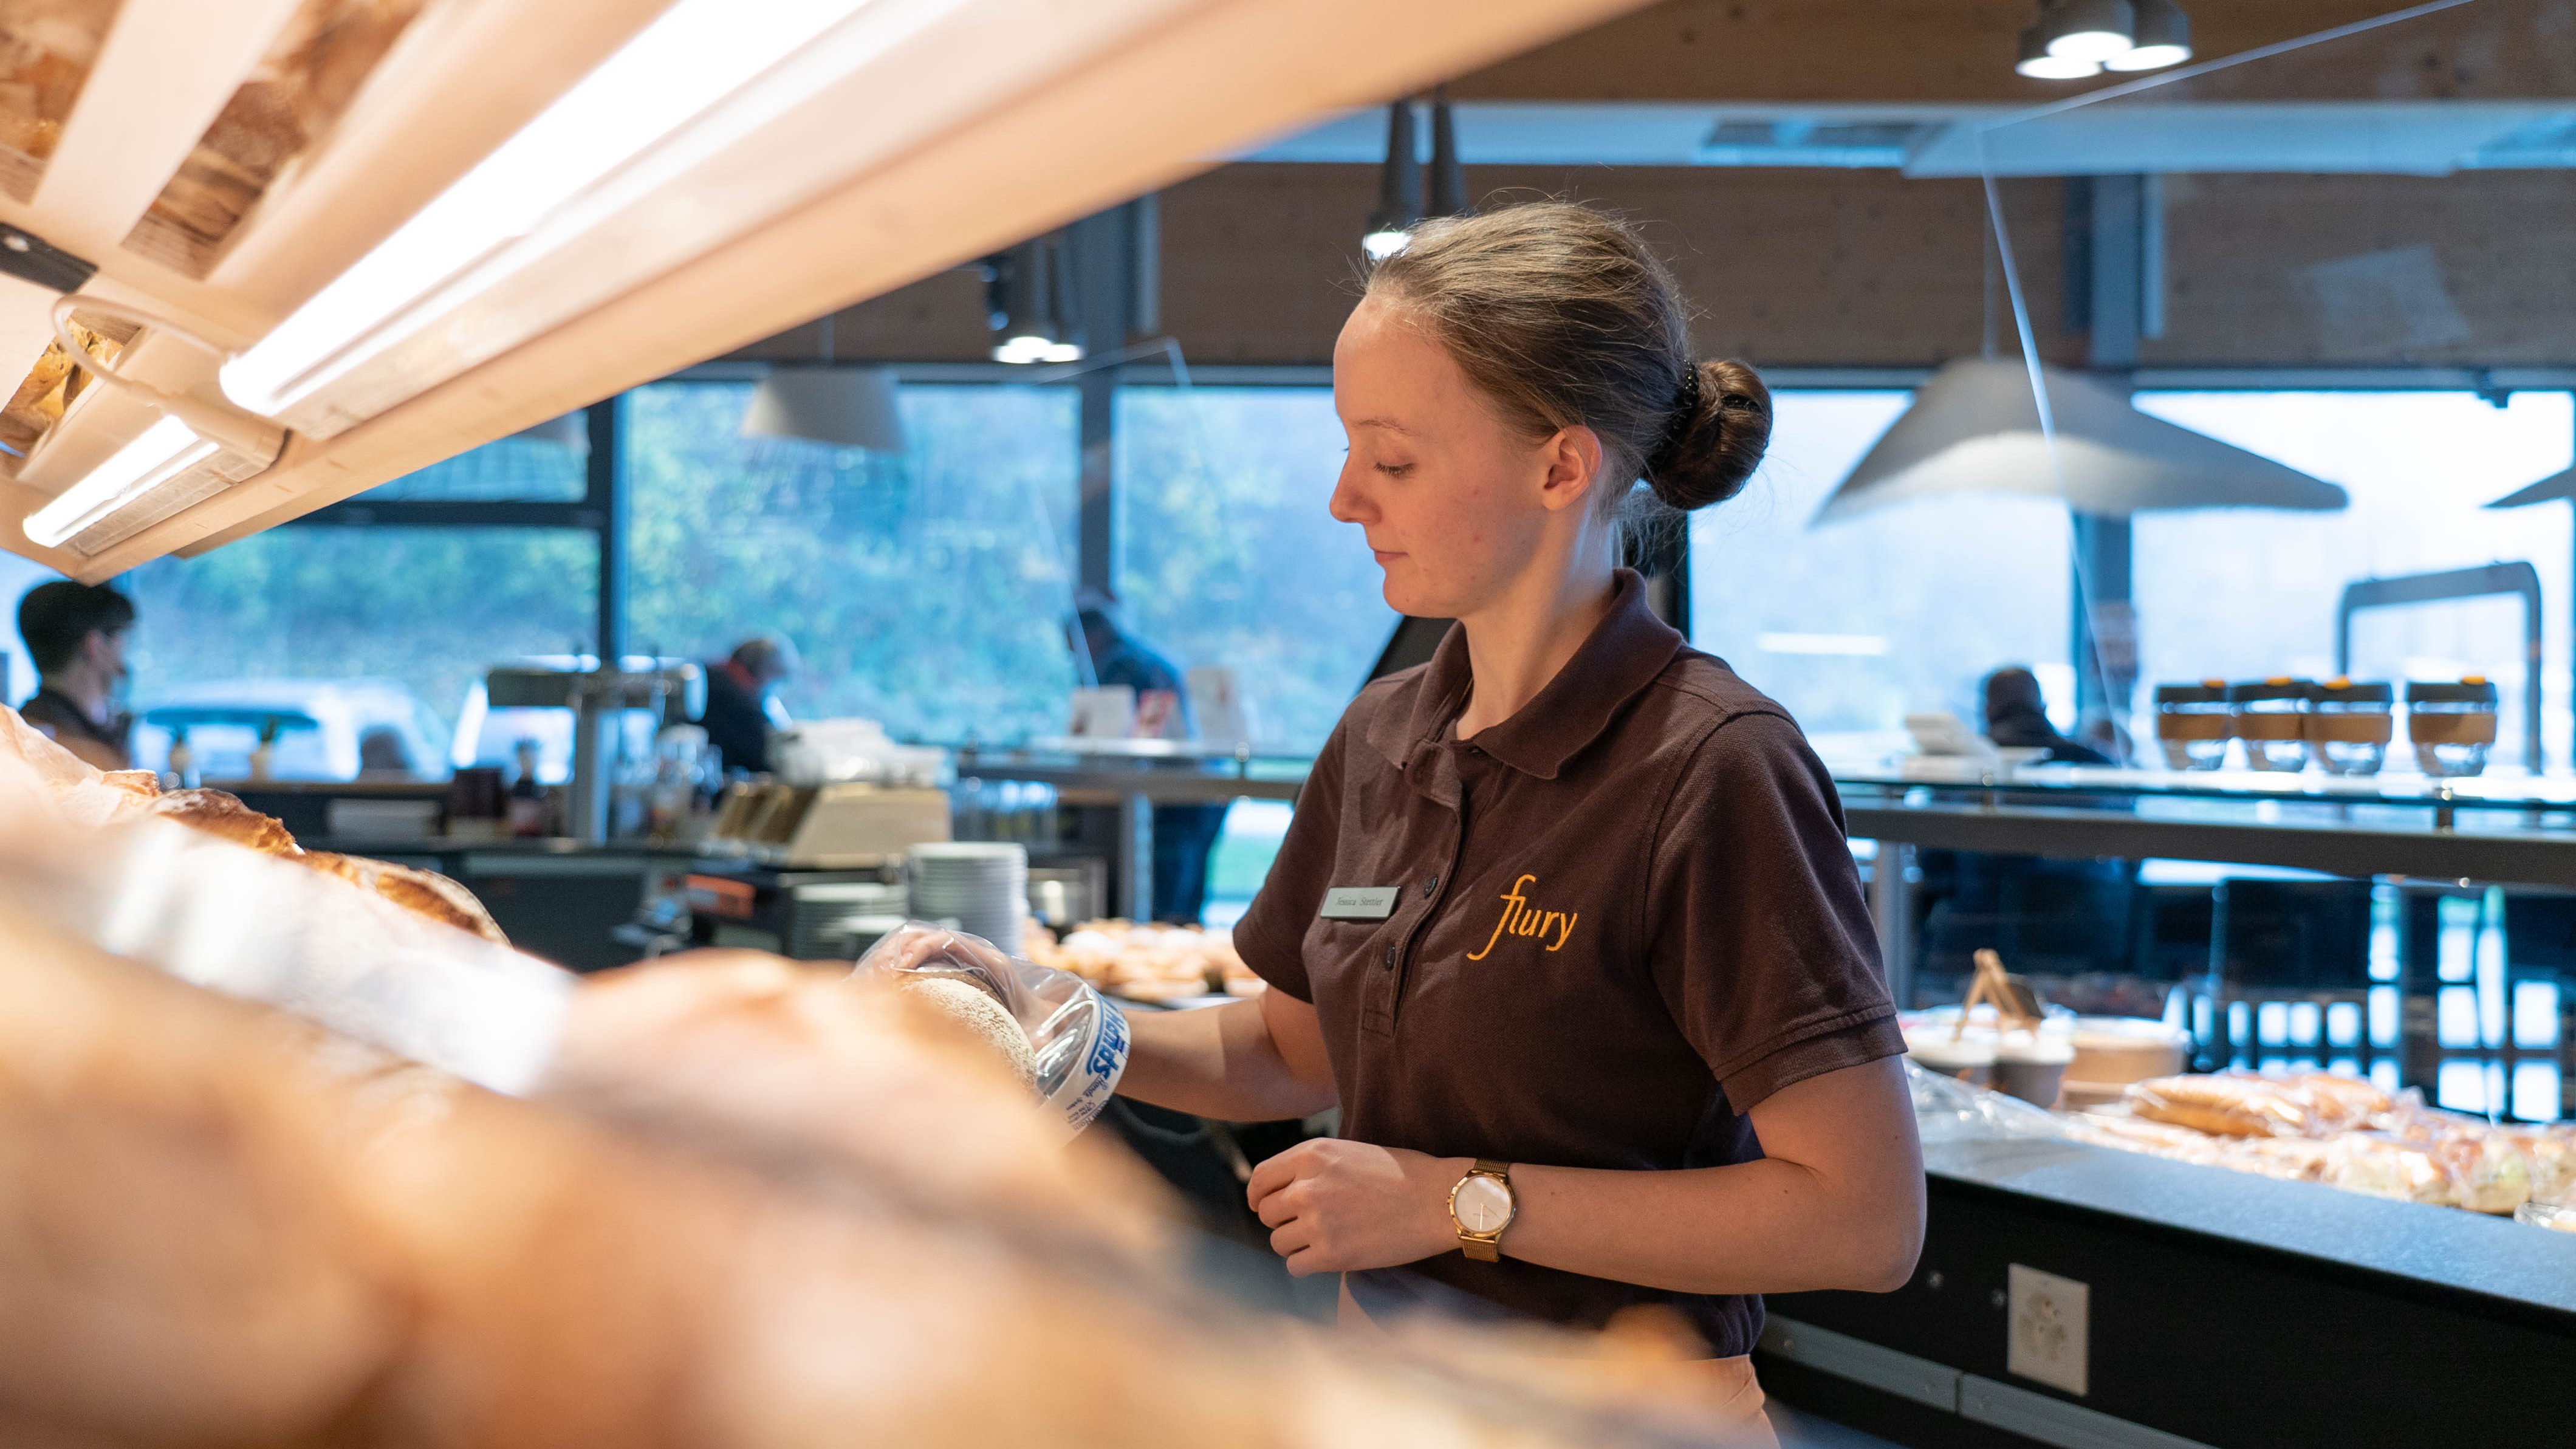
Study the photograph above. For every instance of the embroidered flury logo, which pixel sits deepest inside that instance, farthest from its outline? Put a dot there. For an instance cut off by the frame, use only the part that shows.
(1520, 918)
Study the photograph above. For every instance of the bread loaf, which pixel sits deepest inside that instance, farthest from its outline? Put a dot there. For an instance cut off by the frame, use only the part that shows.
(952, 1004)
(219, 1226)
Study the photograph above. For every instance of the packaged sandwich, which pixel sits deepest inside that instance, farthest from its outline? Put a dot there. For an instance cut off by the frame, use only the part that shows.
(2231, 1105)
(2246, 1104)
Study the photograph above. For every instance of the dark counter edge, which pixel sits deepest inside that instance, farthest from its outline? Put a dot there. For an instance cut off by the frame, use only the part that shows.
(2490, 1266)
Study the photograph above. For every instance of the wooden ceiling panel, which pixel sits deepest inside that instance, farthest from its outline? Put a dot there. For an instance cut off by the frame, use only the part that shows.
(162, 76)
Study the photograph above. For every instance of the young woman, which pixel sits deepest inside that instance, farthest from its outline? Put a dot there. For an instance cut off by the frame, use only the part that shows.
(1565, 922)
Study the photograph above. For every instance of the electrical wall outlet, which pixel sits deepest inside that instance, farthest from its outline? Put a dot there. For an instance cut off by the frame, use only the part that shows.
(2046, 1321)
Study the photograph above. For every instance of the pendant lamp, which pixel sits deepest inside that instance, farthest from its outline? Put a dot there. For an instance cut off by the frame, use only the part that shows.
(2094, 30)
(846, 407)
(570, 430)
(1974, 428)
(1399, 187)
(2162, 38)
(2561, 484)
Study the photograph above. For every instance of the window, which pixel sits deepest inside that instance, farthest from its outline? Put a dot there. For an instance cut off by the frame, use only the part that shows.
(1233, 558)
(549, 463)
(2245, 594)
(1854, 623)
(295, 616)
(928, 592)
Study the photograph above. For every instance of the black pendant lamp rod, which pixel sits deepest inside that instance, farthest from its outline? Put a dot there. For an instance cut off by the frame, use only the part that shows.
(1399, 191)
(1399, 186)
(1448, 178)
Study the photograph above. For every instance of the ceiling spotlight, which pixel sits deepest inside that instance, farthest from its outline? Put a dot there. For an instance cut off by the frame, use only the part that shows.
(2038, 64)
(1028, 304)
(1399, 187)
(2089, 30)
(2163, 37)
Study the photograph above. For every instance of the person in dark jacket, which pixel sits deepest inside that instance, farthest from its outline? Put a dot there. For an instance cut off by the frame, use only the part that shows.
(1184, 835)
(2017, 717)
(742, 705)
(76, 634)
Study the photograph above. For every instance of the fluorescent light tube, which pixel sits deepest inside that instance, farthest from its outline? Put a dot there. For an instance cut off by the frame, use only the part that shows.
(166, 449)
(192, 451)
(430, 302)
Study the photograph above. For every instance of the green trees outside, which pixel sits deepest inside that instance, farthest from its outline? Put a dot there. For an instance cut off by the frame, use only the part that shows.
(927, 591)
(1233, 557)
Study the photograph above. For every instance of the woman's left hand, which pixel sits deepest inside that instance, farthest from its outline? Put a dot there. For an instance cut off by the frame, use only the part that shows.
(1334, 1206)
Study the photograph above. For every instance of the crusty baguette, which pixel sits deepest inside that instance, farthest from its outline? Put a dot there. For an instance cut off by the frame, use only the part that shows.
(424, 893)
(218, 813)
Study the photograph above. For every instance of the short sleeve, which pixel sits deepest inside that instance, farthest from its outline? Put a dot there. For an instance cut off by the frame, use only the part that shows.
(1272, 933)
(1756, 929)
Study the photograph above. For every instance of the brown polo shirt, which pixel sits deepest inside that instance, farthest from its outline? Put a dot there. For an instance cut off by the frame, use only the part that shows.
(1623, 917)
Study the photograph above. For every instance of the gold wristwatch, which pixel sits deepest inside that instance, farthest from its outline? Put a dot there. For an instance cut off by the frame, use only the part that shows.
(1481, 1206)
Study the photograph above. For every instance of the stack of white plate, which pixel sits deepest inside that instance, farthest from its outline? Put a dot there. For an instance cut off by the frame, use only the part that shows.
(981, 885)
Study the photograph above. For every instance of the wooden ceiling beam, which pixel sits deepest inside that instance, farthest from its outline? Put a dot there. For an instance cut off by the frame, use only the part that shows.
(1222, 74)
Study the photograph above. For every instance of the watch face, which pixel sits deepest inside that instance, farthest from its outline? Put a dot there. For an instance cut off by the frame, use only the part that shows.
(1483, 1205)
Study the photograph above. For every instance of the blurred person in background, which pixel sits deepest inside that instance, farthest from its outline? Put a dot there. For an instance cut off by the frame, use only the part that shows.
(76, 634)
(2017, 717)
(742, 701)
(1184, 835)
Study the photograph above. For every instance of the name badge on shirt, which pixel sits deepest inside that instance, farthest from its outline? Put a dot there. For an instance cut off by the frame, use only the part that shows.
(1360, 903)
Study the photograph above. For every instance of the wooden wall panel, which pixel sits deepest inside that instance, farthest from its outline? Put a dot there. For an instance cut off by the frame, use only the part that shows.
(2242, 253)
(1819, 268)
(1812, 268)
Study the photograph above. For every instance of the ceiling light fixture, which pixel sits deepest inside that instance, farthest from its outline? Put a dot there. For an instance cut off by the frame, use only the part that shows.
(843, 407)
(583, 203)
(1974, 427)
(1399, 187)
(191, 451)
(1030, 284)
(2162, 34)
(2038, 64)
(2092, 30)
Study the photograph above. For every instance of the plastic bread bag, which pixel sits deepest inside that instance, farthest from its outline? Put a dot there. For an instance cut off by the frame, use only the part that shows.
(2542, 1215)
(272, 931)
(2380, 1166)
(1079, 1038)
(1949, 1110)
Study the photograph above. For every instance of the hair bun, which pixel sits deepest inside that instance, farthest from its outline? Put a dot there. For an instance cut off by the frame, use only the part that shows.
(1713, 453)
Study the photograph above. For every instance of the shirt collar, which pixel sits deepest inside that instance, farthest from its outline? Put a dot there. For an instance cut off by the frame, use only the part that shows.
(1622, 655)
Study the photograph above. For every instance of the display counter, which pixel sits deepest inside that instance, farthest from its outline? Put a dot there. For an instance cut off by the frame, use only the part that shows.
(1118, 783)
(2214, 1308)
(2507, 829)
